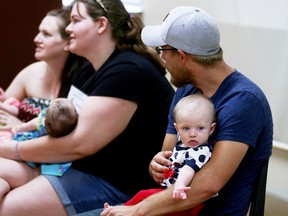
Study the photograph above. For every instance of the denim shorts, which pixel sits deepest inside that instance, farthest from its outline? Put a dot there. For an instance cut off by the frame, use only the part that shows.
(80, 192)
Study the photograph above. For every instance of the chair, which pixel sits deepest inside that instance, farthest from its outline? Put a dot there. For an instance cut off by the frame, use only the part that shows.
(257, 205)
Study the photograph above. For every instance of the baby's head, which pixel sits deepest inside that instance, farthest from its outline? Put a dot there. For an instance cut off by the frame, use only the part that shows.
(194, 117)
(192, 104)
(61, 117)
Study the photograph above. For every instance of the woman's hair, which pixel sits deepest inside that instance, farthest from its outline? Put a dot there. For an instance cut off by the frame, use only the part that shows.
(126, 28)
(74, 62)
(63, 16)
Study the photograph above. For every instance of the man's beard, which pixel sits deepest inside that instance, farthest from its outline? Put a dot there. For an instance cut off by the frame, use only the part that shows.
(178, 83)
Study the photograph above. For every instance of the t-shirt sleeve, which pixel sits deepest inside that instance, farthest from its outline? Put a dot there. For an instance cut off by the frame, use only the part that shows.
(240, 119)
(198, 157)
(124, 81)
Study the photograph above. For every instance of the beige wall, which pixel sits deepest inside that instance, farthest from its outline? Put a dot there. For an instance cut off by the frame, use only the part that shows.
(277, 174)
(254, 37)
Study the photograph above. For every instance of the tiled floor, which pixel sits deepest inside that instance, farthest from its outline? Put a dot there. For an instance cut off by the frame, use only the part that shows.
(275, 206)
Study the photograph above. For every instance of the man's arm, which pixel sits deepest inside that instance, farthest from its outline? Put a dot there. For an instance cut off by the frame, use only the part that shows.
(206, 183)
(169, 142)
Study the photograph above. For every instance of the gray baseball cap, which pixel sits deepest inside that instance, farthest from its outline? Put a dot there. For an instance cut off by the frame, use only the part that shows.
(186, 28)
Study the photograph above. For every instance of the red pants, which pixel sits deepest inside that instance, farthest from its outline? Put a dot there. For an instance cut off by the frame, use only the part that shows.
(146, 193)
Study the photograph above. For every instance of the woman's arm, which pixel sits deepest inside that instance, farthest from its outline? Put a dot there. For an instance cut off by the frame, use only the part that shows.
(101, 119)
(2, 95)
(17, 89)
(7, 121)
(11, 109)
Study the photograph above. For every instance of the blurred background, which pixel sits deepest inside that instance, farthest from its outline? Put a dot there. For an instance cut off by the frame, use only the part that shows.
(19, 26)
(254, 38)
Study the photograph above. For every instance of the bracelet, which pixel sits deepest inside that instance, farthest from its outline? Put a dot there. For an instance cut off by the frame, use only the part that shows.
(16, 152)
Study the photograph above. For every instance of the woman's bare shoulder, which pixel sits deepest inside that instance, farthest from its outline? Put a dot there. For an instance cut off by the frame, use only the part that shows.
(35, 67)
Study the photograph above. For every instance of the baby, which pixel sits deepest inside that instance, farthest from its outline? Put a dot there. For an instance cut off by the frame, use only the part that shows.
(59, 119)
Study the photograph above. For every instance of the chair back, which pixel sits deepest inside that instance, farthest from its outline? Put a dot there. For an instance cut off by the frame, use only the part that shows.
(257, 206)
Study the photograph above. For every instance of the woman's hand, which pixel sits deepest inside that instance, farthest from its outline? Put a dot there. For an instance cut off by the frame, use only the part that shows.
(3, 118)
(2, 95)
(8, 120)
(159, 164)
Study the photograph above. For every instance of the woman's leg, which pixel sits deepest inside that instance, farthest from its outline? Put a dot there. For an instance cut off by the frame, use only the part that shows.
(16, 173)
(74, 192)
(4, 187)
(27, 194)
(36, 197)
(80, 192)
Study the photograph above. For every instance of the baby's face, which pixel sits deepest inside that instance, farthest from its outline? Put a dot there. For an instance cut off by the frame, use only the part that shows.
(194, 126)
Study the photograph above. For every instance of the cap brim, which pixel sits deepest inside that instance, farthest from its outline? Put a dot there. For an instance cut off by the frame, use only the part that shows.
(151, 36)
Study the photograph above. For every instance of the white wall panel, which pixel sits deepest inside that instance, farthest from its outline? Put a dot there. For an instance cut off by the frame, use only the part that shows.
(254, 37)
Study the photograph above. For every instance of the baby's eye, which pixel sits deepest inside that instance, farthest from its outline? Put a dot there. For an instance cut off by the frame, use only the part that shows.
(200, 128)
(185, 128)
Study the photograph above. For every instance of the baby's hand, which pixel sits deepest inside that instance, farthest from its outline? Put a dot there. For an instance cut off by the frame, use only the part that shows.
(180, 193)
(106, 206)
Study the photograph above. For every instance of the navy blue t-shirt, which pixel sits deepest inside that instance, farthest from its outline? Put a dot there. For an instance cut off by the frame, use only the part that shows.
(243, 115)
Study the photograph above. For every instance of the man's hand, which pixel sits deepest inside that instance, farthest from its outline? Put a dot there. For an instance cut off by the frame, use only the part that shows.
(119, 210)
(159, 164)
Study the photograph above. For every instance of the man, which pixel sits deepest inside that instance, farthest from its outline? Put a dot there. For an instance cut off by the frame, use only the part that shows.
(189, 43)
